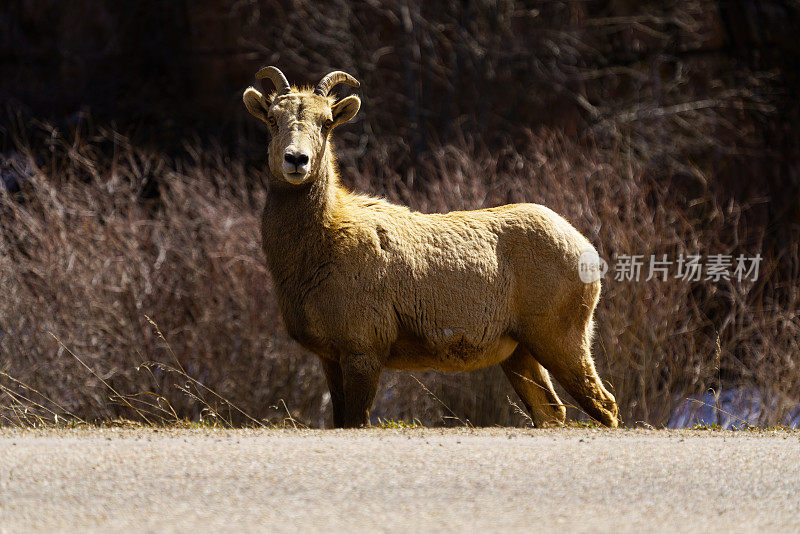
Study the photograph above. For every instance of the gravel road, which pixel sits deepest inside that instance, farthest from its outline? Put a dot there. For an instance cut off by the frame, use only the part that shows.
(565, 480)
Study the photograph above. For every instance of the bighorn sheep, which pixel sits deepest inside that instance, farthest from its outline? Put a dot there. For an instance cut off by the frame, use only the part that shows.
(367, 284)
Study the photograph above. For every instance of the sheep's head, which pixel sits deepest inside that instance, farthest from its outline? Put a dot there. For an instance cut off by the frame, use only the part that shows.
(300, 122)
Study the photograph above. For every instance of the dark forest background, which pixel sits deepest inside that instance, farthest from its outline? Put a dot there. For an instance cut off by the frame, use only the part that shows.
(131, 187)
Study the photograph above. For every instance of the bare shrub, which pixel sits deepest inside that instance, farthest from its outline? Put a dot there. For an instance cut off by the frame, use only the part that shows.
(89, 250)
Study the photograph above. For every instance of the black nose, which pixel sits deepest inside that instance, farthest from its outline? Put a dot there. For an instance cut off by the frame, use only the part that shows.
(295, 158)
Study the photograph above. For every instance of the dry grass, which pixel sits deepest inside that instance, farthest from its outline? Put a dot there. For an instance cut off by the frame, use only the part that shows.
(90, 249)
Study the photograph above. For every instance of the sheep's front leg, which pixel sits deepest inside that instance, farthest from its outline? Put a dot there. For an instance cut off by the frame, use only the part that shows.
(361, 374)
(333, 375)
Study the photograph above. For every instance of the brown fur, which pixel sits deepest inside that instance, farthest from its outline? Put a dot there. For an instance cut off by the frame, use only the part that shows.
(367, 284)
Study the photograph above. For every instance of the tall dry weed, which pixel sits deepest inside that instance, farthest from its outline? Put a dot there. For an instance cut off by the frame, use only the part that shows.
(103, 235)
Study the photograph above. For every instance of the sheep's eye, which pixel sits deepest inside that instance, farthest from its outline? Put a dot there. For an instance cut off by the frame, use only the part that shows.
(327, 125)
(271, 121)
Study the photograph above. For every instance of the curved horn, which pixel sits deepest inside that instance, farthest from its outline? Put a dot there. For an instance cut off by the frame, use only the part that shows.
(326, 84)
(277, 78)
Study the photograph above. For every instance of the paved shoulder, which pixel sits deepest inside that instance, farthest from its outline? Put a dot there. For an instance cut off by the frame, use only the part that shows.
(385, 480)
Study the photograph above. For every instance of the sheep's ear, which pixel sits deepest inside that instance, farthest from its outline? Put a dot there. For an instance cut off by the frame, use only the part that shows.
(255, 103)
(345, 109)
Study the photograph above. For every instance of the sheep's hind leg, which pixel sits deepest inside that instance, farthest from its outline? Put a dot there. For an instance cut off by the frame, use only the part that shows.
(333, 375)
(532, 383)
(570, 362)
(361, 374)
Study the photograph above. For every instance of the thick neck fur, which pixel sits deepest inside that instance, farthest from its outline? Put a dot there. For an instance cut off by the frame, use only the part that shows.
(297, 219)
